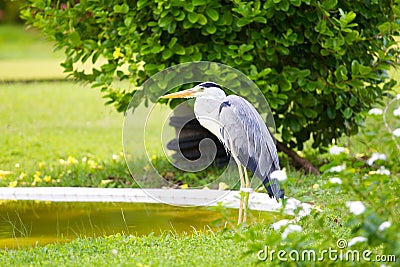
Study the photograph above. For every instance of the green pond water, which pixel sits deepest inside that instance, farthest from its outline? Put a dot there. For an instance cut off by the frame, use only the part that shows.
(31, 223)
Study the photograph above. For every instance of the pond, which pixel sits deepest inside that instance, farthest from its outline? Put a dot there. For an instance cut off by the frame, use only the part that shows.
(29, 223)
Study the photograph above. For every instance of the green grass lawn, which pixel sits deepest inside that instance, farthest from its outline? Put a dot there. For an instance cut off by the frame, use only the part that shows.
(46, 121)
(25, 55)
(16, 42)
(119, 250)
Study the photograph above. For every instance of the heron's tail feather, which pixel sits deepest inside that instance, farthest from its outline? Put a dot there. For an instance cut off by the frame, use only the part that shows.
(273, 188)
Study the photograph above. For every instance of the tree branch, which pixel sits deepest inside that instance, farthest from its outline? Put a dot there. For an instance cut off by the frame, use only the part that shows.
(297, 160)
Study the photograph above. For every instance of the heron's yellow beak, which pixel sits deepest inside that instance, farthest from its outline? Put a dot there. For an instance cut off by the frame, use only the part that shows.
(182, 94)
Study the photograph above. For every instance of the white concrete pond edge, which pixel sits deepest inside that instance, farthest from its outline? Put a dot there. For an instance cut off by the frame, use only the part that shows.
(179, 197)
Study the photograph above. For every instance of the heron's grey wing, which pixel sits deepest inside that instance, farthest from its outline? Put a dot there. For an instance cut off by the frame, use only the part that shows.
(246, 135)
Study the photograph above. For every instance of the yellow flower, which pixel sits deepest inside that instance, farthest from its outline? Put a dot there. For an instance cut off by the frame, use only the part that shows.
(22, 176)
(72, 160)
(41, 165)
(318, 208)
(47, 178)
(117, 53)
(184, 186)
(94, 165)
(13, 184)
(37, 179)
(154, 157)
(359, 155)
(4, 173)
(223, 186)
(104, 182)
(315, 186)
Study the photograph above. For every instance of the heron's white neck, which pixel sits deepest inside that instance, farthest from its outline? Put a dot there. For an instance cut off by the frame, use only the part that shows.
(207, 113)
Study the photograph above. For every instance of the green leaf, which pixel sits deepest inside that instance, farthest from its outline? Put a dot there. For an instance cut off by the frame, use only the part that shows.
(347, 112)
(385, 27)
(166, 54)
(199, 2)
(353, 101)
(179, 50)
(90, 44)
(243, 21)
(355, 67)
(172, 42)
(142, 4)
(193, 17)
(202, 19)
(296, 2)
(181, 16)
(165, 21)
(210, 28)
(286, 134)
(341, 73)
(331, 112)
(212, 13)
(310, 113)
(75, 38)
(285, 85)
(364, 70)
(329, 4)
(294, 125)
(124, 8)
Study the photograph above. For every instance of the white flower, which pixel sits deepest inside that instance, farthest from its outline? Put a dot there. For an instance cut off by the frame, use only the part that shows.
(396, 132)
(376, 156)
(280, 175)
(396, 112)
(278, 225)
(336, 150)
(337, 168)
(335, 180)
(383, 171)
(356, 207)
(384, 225)
(398, 96)
(355, 240)
(291, 228)
(375, 111)
(115, 157)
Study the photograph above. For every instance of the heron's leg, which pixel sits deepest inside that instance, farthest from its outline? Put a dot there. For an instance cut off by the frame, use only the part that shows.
(247, 194)
(242, 183)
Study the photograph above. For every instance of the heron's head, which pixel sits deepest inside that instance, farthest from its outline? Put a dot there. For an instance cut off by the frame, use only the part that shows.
(206, 89)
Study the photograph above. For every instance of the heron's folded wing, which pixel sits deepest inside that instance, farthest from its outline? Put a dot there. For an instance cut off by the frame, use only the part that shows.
(245, 134)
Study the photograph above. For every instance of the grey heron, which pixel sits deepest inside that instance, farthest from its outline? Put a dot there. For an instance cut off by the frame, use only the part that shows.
(242, 131)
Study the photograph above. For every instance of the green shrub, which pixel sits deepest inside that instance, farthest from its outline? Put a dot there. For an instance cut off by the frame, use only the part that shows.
(320, 64)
